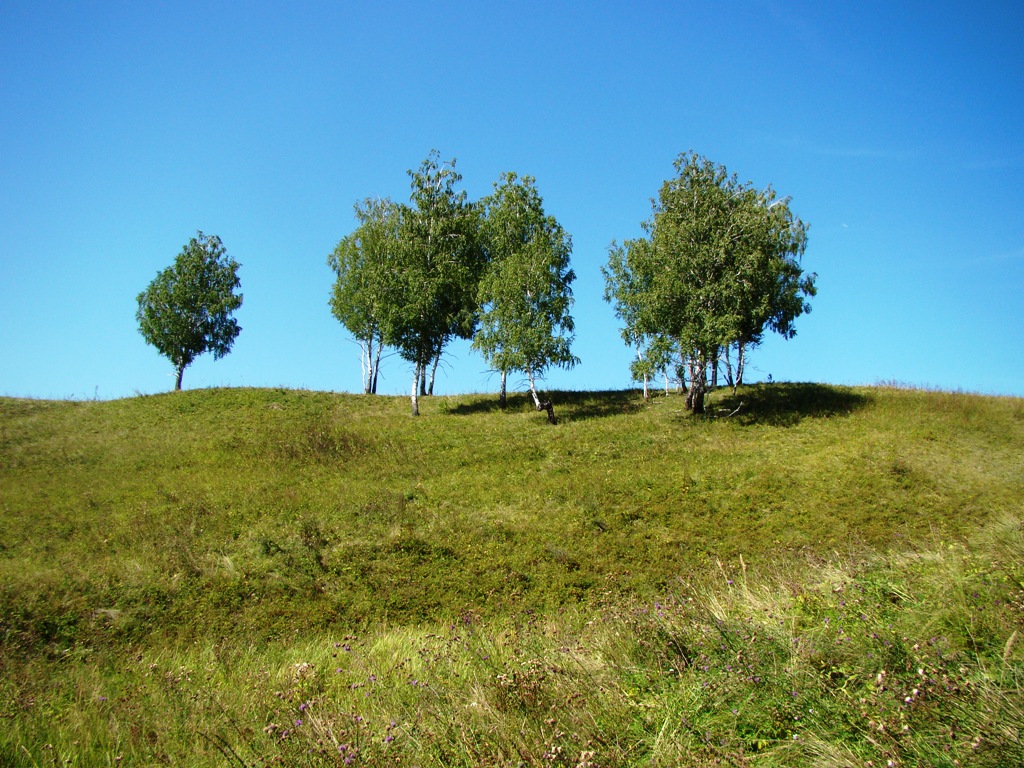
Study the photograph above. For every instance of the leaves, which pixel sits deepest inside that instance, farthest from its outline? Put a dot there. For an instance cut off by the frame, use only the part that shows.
(438, 262)
(525, 294)
(363, 296)
(187, 309)
(721, 264)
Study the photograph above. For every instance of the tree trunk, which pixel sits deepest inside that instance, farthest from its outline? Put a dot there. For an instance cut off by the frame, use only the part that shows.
(714, 367)
(376, 369)
(502, 393)
(366, 364)
(415, 389)
(433, 375)
(541, 406)
(741, 362)
(533, 389)
(689, 392)
(729, 379)
(698, 384)
(177, 382)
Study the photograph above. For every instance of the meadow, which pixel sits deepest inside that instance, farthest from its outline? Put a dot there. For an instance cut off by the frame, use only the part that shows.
(831, 576)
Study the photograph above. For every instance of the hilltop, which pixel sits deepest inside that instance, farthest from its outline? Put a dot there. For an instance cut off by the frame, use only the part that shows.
(263, 518)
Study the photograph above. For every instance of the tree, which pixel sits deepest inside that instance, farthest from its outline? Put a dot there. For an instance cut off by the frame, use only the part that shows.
(363, 295)
(186, 310)
(720, 265)
(438, 267)
(626, 290)
(525, 294)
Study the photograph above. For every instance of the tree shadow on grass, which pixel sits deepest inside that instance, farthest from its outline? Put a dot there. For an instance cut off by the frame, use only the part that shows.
(569, 406)
(784, 404)
(777, 404)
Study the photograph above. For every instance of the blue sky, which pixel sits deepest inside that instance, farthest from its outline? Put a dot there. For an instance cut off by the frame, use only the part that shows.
(896, 129)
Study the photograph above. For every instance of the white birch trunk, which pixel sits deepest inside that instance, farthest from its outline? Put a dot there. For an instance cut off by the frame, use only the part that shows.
(433, 375)
(376, 369)
(366, 365)
(729, 379)
(415, 390)
(533, 388)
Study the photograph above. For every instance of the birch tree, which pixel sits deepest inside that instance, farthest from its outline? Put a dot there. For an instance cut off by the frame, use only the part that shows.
(363, 297)
(438, 268)
(187, 310)
(719, 266)
(627, 289)
(525, 293)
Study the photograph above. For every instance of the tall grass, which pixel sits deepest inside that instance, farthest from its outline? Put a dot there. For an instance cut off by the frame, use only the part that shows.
(832, 577)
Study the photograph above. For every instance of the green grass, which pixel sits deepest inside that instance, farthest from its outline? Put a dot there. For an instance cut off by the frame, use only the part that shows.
(833, 576)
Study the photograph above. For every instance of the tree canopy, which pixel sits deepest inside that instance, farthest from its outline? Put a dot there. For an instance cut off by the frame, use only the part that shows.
(525, 294)
(439, 262)
(187, 310)
(363, 296)
(413, 277)
(719, 265)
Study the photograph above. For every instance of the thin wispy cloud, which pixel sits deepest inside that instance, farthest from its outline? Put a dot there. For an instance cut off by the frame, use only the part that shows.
(1003, 257)
(802, 145)
(994, 163)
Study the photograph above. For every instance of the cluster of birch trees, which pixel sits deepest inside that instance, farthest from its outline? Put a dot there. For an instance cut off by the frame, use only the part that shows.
(412, 277)
(717, 267)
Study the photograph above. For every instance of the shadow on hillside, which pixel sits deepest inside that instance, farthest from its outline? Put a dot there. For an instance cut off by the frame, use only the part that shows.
(785, 404)
(569, 406)
(777, 404)
(593, 405)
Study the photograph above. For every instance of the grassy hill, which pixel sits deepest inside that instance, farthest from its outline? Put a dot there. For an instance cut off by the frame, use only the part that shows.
(830, 576)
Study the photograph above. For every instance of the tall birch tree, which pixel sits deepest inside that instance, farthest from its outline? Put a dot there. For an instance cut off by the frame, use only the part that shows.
(188, 308)
(525, 293)
(720, 265)
(440, 260)
(364, 293)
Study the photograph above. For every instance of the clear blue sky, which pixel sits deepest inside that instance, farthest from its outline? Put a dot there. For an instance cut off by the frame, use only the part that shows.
(896, 128)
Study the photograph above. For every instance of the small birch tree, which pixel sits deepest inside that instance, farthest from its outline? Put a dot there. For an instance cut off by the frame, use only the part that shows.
(187, 310)
(525, 293)
(719, 266)
(438, 268)
(363, 296)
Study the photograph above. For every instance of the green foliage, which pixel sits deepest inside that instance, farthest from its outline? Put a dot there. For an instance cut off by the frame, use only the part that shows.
(720, 265)
(363, 297)
(187, 309)
(440, 260)
(267, 576)
(524, 295)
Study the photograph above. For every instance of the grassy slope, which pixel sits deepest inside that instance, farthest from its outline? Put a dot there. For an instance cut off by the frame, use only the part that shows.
(270, 516)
